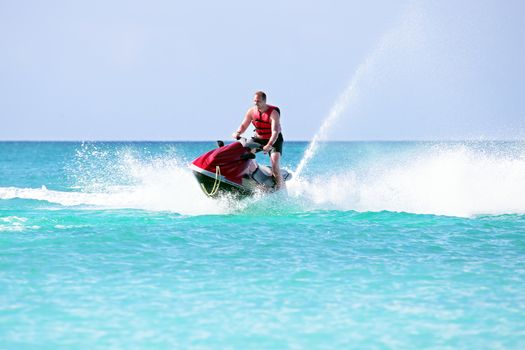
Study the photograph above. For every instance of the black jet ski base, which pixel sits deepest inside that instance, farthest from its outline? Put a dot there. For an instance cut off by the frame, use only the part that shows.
(216, 188)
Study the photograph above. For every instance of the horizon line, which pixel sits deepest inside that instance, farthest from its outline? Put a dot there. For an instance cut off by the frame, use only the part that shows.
(292, 140)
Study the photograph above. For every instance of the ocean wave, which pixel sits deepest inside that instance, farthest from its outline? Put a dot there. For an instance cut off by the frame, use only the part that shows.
(455, 180)
(452, 180)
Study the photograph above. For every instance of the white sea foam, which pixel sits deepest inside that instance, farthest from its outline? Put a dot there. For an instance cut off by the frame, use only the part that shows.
(15, 223)
(454, 181)
(448, 180)
(161, 184)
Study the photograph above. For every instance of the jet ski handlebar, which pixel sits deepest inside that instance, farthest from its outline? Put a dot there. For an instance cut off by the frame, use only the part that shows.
(250, 144)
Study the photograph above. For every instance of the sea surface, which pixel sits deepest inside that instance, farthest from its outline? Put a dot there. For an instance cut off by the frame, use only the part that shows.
(376, 245)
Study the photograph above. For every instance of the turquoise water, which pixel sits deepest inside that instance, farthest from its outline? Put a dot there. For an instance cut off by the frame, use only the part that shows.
(378, 245)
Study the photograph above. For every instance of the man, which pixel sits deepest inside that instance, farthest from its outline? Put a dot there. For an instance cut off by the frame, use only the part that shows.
(267, 122)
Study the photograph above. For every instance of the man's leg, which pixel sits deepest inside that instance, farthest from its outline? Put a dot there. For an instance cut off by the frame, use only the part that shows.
(275, 158)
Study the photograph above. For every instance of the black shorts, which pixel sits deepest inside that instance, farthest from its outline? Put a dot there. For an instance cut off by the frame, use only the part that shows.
(277, 145)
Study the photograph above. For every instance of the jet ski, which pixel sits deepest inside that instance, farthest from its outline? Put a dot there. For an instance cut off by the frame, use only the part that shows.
(232, 170)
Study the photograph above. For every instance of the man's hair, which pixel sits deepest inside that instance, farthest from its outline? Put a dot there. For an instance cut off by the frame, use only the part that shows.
(261, 95)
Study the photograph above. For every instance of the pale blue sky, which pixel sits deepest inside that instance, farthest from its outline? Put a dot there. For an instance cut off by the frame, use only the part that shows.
(170, 70)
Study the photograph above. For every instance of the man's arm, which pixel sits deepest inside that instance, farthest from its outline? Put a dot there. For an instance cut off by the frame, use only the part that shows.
(244, 125)
(276, 129)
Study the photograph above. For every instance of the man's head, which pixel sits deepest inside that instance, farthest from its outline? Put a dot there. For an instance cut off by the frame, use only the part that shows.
(259, 99)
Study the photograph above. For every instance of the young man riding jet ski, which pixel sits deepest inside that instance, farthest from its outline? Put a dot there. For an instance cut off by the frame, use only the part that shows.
(267, 121)
(233, 169)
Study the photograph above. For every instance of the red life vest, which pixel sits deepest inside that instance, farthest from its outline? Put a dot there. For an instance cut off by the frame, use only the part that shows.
(262, 122)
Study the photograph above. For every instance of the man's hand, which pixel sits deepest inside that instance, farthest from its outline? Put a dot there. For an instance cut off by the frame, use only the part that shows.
(267, 148)
(236, 135)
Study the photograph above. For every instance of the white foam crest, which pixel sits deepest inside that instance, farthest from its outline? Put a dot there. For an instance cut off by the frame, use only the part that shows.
(161, 184)
(407, 33)
(167, 184)
(455, 181)
(15, 224)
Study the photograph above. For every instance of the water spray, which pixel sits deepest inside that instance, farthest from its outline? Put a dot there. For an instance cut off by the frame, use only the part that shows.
(405, 33)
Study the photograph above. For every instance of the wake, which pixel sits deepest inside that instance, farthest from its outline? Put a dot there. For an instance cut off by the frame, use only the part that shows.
(449, 179)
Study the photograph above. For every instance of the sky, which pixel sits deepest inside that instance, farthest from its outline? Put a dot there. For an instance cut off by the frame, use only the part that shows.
(180, 70)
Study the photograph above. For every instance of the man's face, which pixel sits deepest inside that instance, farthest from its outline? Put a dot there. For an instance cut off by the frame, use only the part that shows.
(258, 101)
